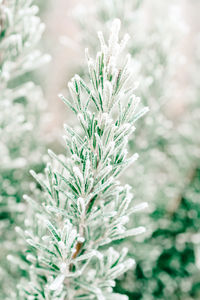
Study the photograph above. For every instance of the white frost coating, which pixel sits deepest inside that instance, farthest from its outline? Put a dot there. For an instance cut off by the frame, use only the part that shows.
(78, 173)
(139, 207)
(81, 205)
(124, 42)
(101, 38)
(113, 40)
(135, 231)
(86, 256)
(124, 220)
(63, 267)
(62, 245)
(57, 282)
(81, 239)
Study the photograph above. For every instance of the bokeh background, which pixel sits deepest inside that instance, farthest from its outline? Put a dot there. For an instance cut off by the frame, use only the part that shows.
(64, 40)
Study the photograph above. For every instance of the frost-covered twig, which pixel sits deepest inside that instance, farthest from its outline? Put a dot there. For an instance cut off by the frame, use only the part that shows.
(84, 206)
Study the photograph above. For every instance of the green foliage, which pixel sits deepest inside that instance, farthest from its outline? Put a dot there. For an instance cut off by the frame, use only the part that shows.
(20, 145)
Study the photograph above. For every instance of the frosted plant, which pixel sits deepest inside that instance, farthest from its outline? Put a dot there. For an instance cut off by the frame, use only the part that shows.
(20, 106)
(83, 207)
(169, 148)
